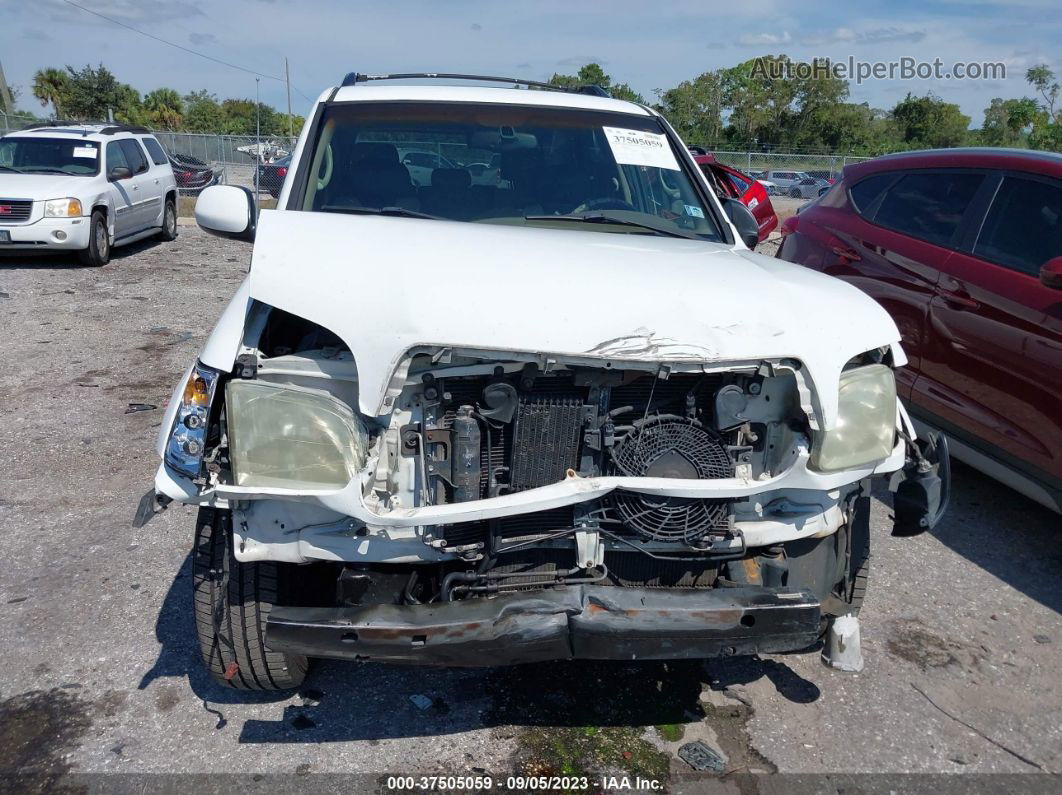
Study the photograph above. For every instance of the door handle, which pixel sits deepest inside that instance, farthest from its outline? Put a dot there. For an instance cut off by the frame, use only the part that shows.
(960, 298)
(846, 253)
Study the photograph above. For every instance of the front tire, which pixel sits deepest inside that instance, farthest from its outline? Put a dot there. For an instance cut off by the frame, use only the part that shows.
(232, 601)
(169, 221)
(98, 252)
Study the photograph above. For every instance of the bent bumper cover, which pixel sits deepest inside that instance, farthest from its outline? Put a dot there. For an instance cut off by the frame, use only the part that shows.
(584, 622)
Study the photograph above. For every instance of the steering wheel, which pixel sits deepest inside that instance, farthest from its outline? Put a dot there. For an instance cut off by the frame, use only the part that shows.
(604, 203)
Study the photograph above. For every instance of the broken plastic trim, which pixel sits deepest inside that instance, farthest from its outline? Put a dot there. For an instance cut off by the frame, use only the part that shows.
(922, 488)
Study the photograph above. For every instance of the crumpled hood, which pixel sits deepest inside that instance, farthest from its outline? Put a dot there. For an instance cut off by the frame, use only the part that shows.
(385, 285)
(40, 187)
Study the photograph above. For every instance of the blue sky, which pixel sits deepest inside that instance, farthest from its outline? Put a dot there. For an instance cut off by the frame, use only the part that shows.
(649, 45)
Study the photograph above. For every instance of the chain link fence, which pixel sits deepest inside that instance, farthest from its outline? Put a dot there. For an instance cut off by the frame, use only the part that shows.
(234, 158)
(756, 163)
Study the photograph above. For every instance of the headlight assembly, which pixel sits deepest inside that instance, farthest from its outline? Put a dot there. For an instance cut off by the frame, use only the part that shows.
(62, 208)
(292, 438)
(866, 421)
(184, 450)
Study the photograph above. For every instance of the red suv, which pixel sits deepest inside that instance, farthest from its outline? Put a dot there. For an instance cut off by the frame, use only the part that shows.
(729, 183)
(964, 248)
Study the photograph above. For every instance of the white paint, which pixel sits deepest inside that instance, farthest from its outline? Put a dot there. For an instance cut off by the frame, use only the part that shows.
(365, 277)
(223, 208)
(843, 650)
(440, 92)
(350, 501)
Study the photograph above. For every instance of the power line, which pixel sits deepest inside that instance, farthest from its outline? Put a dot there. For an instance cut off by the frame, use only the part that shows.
(181, 47)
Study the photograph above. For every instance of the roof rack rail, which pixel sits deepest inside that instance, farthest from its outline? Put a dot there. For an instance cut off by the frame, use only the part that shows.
(105, 128)
(354, 77)
(40, 125)
(111, 129)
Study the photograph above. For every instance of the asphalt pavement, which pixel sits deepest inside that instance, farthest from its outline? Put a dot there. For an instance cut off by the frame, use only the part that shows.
(100, 670)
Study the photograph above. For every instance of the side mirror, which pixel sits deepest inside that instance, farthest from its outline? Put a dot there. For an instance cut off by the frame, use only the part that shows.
(1051, 273)
(743, 219)
(118, 173)
(227, 211)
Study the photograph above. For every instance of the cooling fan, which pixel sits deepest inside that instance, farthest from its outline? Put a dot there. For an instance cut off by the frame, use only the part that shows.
(669, 446)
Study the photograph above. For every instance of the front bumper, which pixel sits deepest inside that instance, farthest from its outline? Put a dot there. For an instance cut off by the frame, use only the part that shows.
(42, 235)
(575, 622)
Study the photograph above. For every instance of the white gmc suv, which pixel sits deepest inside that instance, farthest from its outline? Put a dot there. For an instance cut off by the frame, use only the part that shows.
(566, 414)
(84, 188)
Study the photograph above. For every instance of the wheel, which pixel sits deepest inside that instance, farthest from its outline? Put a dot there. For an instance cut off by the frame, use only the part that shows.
(859, 585)
(232, 601)
(99, 248)
(859, 538)
(169, 221)
(794, 194)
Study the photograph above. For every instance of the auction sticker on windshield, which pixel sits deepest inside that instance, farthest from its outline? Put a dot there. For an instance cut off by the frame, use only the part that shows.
(639, 148)
(85, 151)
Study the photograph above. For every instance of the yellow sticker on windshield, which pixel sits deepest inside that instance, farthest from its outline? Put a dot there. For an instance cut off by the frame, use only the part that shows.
(638, 148)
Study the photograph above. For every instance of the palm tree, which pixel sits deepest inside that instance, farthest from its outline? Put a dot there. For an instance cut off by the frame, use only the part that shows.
(52, 85)
(165, 107)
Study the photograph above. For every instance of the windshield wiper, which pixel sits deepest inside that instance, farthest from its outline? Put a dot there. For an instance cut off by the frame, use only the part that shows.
(600, 217)
(397, 212)
(8, 168)
(44, 170)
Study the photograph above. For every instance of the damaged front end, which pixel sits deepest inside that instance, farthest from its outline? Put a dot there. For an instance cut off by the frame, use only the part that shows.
(519, 506)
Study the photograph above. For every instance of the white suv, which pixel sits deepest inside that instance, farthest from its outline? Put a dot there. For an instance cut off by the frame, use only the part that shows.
(569, 414)
(84, 188)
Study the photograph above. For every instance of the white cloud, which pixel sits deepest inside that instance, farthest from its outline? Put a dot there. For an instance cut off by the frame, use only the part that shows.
(764, 39)
(850, 36)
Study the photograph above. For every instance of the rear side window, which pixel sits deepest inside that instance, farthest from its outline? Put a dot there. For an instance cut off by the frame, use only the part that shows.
(928, 205)
(1023, 228)
(158, 157)
(134, 155)
(867, 191)
(740, 184)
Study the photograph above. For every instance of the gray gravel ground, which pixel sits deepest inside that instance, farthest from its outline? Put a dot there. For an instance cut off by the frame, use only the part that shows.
(961, 627)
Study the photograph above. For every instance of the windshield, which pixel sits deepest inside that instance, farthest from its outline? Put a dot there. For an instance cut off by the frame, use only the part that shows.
(50, 156)
(513, 164)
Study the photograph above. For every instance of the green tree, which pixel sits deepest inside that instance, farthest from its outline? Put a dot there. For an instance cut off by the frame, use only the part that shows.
(128, 107)
(165, 108)
(93, 92)
(694, 108)
(202, 113)
(1043, 80)
(1008, 121)
(929, 122)
(1046, 130)
(238, 118)
(593, 75)
(850, 127)
(52, 86)
(775, 100)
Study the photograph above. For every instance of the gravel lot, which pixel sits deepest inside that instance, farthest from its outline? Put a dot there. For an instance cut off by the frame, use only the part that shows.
(961, 628)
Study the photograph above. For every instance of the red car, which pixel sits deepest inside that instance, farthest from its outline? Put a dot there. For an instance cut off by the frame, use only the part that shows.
(730, 183)
(192, 174)
(964, 248)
